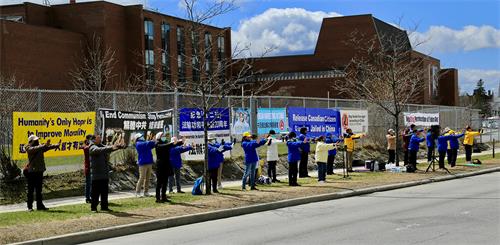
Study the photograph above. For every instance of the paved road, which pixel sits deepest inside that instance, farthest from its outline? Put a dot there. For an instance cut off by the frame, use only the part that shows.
(463, 211)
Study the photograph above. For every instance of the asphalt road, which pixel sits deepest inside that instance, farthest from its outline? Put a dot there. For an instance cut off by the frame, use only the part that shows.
(463, 211)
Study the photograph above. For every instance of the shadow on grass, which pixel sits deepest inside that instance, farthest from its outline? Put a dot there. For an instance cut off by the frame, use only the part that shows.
(127, 215)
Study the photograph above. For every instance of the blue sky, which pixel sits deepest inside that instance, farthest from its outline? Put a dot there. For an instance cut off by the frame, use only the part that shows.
(462, 34)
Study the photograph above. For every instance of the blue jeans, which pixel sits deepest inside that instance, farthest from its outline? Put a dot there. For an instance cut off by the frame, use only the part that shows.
(88, 186)
(249, 172)
(321, 171)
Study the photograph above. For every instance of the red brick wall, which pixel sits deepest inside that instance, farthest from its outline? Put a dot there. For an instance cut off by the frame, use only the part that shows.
(448, 87)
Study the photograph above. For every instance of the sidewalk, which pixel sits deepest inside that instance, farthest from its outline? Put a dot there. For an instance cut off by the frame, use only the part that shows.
(51, 203)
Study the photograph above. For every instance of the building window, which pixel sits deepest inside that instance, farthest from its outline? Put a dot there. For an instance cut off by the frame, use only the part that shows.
(208, 52)
(181, 54)
(165, 54)
(195, 59)
(220, 48)
(434, 81)
(149, 50)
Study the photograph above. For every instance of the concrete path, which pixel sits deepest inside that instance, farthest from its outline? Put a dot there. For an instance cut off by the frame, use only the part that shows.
(461, 211)
(50, 203)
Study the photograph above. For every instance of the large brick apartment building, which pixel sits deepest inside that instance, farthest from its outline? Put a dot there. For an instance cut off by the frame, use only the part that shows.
(313, 74)
(41, 45)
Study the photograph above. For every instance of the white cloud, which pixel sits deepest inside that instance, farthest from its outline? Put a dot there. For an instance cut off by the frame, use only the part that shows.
(283, 30)
(468, 79)
(54, 2)
(444, 39)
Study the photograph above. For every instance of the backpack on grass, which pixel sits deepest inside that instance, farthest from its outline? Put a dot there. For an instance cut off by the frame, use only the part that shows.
(198, 186)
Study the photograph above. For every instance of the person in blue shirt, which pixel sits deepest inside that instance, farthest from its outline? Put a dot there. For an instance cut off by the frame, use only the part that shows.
(304, 156)
(442, 147)
(294, 156)
(215, 159)
(413, 148)
(176, 162)
(453, 146)
(251, 158)
(431, 144)
(330, 139)
(145, 161)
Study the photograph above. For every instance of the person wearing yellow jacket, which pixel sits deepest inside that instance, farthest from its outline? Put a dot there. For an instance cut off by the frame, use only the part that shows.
(321, 156)
(349, 142)
(469, 141)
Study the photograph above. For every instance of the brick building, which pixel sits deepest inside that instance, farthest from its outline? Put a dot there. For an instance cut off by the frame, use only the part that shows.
(40, 45)
(312, 75)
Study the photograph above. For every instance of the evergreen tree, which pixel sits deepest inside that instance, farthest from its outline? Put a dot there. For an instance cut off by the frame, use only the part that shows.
(481, 100)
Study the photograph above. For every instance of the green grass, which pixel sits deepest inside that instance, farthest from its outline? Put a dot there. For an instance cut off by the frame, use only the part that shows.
(481, 158)
(120, 207)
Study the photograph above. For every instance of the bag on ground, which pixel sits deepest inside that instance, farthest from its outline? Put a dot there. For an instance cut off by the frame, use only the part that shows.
(197, 187)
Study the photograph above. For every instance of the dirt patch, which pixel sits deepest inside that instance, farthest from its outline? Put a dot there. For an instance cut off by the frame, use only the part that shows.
(228, 198)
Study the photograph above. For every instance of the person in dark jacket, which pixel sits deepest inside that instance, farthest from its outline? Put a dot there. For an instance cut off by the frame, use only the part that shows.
(304, 155)
(294, 156)
(431, 144)
(35, 170)
(406, 135)
(251, 158)
(331, 139)
(99, 171)
(413, 148)
(176, 161)
(215, 159)
(86, 168)
(453, 146)
(163, 167)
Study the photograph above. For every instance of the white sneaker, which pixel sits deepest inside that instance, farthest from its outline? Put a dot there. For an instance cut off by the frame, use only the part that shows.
(321, 181)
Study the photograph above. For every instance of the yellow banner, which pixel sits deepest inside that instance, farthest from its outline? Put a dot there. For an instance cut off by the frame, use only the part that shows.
(67, 129)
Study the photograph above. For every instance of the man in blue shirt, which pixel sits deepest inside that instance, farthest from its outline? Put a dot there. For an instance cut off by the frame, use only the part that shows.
(251, 158)
(304, 155)
(413, 148)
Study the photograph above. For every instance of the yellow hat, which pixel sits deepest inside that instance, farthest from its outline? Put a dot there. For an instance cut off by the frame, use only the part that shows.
(247, 134)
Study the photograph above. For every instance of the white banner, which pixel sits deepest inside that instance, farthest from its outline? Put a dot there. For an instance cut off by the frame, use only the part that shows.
(421, 119)
(357, 120)
(195, 138)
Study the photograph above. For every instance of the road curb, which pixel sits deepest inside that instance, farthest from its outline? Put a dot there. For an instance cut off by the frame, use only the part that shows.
(128, 229)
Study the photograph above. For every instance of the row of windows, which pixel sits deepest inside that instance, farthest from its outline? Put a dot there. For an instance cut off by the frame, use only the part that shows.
(181, 52)
(297, 75)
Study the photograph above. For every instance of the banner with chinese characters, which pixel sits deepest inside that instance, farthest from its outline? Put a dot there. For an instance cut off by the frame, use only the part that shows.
(271, 119)
(123, 124)
(191, 129)
(66, 129)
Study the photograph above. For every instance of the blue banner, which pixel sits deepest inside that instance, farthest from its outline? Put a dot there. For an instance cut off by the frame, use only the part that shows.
(191, 119)
(271, 118)
(318, 121)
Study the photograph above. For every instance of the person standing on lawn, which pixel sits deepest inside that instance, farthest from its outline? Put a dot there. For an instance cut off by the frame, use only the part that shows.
(163, 167)
(145, 160)
(330, 138)
(431, 144)
(349, 141)
(413, 148)
(294, 156)
(321, 155)
(391, 145)
(304, 155)
(215, 159)
(219, 174)
(453, 146)
(442, 147)
(272, 155)
(99, 171)
(86, 168)
(176, 161)
(251, 158)
(35, 169)
(469, 141)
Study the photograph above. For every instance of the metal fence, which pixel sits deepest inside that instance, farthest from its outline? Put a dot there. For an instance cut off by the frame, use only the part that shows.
(75, 101)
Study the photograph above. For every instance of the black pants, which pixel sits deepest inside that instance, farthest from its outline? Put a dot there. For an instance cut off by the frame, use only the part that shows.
(392, 156)
(292, 173)
(405, 159)
(100, 188)
(213, 178)
(442, 155)
(271, 170)
(303, 165)
(330, 164)
(452, 157)
(412, 158)
(161, 184)
(468, 153)
(35, 183)
(430, 153)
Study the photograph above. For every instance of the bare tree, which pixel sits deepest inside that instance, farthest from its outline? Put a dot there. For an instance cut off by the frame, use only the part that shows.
(215, 75)
(384, 71)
